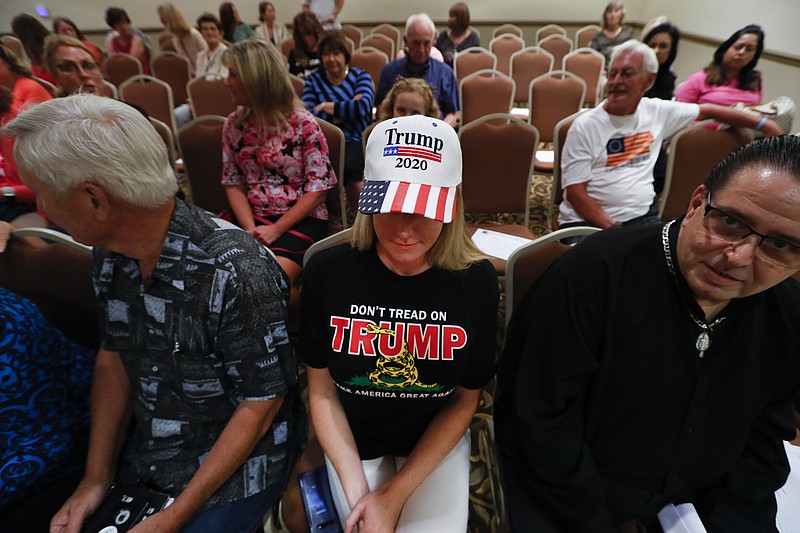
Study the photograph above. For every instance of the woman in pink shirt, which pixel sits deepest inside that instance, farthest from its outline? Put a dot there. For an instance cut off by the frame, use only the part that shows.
(731, 77)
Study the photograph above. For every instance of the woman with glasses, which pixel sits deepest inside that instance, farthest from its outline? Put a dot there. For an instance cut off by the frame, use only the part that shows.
(72, 65)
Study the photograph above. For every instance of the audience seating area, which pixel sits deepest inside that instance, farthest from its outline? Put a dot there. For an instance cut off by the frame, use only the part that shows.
(518, 98)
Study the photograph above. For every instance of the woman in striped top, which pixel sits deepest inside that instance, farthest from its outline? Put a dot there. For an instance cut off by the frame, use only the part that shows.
(343, 96)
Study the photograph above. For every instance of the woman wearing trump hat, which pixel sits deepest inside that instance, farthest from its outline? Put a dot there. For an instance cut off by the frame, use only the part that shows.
(398, 335)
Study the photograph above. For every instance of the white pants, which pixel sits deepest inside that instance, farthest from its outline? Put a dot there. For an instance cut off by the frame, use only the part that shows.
(440, 503)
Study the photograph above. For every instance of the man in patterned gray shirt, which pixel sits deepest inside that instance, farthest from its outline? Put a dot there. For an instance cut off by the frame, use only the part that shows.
(195, 351)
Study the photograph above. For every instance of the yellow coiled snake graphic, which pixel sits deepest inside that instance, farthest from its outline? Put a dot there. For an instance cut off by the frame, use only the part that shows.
(400, 367)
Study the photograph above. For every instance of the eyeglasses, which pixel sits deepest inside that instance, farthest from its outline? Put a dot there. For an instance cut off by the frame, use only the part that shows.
(625, 74)
(68, 67)
(770, 249)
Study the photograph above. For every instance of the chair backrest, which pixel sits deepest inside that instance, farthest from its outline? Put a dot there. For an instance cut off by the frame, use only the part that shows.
(15, 45)
(381, 42)
(55, 275)
(504, 46)
(527, 64)
(350, 44)
(109, 90)
(298, 84)
(166, 135)
(49, 87)
(365, 136)
(693, 152)
(120, 67)
(471, 60)
(498, 156)
(200, 142)
(335, 200)
(549, 29)
(210, 97)
(152, 95)
(485, 92)
(354, 33)
(583, 36)
(589, 64)
(559, 138)
(552, 97)
(511, 29)
(287, 46)
(389, 31)
(371, 60)
(330, 241)
(558, 45)
(175, 70)
(527, 263)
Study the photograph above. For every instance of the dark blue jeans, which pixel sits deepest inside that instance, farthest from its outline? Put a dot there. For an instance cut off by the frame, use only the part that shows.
(246, 515)
(241, 516)
(650, 218)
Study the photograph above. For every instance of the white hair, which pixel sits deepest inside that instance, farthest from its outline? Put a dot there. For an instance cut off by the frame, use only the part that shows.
(420, 17)
(649, 59)
(68, 141)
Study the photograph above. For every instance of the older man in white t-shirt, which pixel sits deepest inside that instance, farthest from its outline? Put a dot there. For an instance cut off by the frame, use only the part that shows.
(610, 152)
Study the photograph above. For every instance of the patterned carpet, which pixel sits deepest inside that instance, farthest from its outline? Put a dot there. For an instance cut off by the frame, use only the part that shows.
(484, 483)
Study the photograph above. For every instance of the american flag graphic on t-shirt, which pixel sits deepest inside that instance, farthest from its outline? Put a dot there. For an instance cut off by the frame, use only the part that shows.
(401, 197)
(622, 149)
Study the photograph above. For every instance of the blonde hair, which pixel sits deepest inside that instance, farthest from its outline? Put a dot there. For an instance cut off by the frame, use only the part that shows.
(453, 250)
(409, 85)
(173, 20)
(263, 72)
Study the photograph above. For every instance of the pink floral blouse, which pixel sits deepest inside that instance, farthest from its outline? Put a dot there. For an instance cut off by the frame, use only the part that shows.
(278, 165)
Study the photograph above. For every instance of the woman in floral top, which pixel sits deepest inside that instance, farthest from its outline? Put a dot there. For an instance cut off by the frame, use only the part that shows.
(276, 169)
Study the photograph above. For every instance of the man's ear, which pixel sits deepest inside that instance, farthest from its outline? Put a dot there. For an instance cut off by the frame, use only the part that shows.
(697, 203)
(99, 201)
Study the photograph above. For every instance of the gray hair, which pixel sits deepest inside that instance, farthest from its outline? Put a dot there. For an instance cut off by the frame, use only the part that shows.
(420, 17)
(649, 59)
(68, 141)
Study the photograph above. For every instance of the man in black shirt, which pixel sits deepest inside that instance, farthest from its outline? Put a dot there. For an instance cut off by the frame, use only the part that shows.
(656, 366)
(194, 343)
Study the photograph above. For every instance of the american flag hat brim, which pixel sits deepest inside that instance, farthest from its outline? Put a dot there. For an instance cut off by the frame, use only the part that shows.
(437, 203)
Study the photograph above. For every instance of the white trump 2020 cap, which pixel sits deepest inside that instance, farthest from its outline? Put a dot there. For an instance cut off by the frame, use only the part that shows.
(413, 165)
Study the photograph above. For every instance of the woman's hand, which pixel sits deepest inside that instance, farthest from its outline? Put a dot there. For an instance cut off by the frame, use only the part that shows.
(266, 234)
(375, 512)
(324, 107)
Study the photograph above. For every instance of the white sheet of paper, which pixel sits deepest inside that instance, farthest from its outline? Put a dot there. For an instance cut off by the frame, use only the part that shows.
(497, 244)
(545, 156)
(788, 496)
(681, 518)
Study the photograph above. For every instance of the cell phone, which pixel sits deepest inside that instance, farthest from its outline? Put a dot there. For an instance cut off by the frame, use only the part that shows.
(318, 501)
(124, 507)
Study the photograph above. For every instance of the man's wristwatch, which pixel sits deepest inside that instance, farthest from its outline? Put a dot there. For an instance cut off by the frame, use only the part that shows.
(9, 195)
